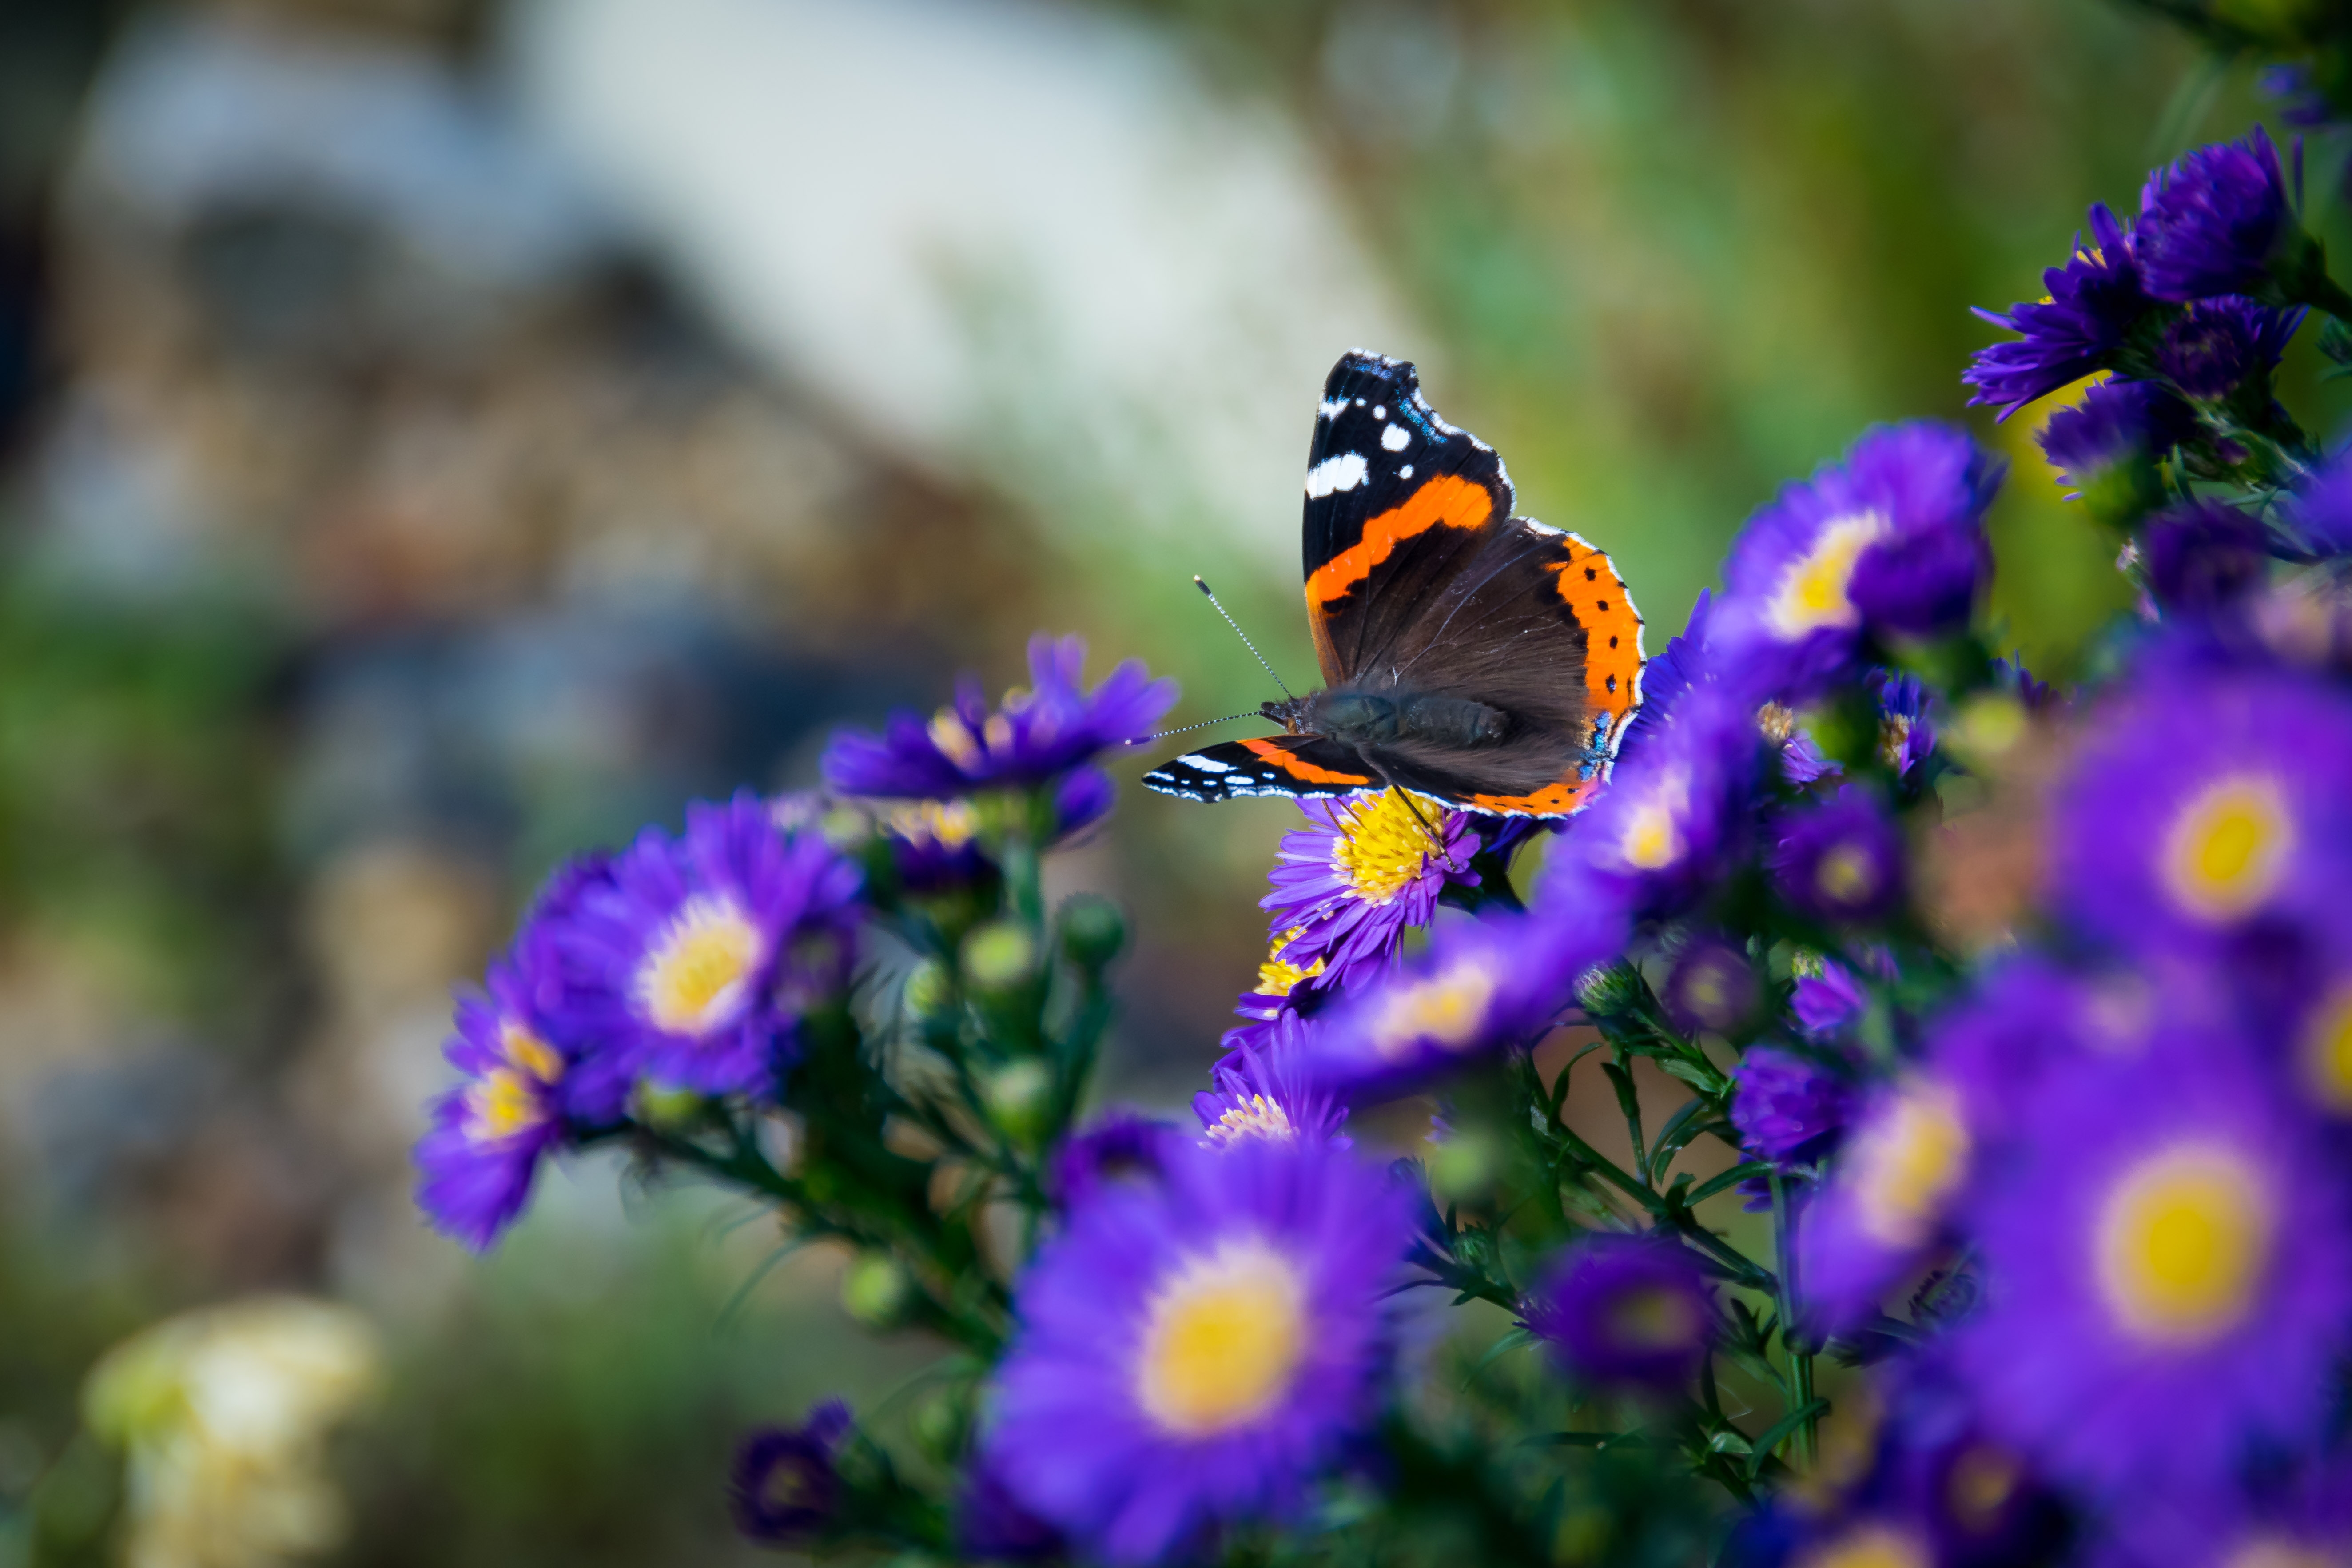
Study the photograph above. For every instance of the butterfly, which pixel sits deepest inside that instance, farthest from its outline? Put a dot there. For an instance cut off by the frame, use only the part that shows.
(1479, 659)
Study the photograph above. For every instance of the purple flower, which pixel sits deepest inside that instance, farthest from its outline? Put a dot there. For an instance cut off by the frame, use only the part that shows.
(1199, 1351)
(1362, 869)
(2320, 511)
(784, 1487)
(2202, 555)
(2294, 88)
(1267, 1091)
(1122, 1146)
(1891, 539)
(1841, 861)
(2206, 812)
(1826, 1002)
(2169, 1268)
(692, 959)
(2100, 444)
(2215, 222)
(1907, 1153)
(1906, 730)
(1787, 1106)
(2216, 345)
(1625, 1312)
(1032, 738)
(991, 1526)
(489, 1133)
(1674, 818)
(1666, 676)
(1712, 988)
(1481, 986)
(2094, 300)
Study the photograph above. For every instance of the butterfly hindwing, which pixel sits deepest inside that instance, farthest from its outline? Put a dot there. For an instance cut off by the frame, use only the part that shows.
(1298, 765)
(1397, 502)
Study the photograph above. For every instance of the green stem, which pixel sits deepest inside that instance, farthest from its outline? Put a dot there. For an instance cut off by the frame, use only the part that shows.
(1800, 1362)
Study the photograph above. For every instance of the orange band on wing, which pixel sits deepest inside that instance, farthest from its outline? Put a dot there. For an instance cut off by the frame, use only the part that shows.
(1291, 763)
(1596, 596)
(1553, 800)
(1449, 499)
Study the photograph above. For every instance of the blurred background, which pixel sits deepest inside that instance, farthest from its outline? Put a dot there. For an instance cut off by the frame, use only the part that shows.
(437, 436)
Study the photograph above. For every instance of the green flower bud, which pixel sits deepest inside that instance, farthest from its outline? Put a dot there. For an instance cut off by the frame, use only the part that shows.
(875, 1289)
(940, 1423)
(1464, 1167)
(929, 989)
(999, 955)
(658, 1106)
(1608, 990)
(1093, 931)
(1019, 1095)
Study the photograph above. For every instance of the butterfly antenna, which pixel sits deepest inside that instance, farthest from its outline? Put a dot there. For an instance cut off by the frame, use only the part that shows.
(1212, 597)
(1187, 728)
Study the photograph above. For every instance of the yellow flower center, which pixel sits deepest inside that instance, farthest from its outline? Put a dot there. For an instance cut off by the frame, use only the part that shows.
(1448, 1008)
(1979, 1485)
(2327, 1050)
(950, 823)
(501, 1104)
(1383, 848)
(955, 740)
(1812, 595)
(2277, 1552)
(1256, 1117)
(1651, 838)
(1871, 1546)
(1906, 1162)
(1222, 1341)
(1653, 1319)
(1847, 874)
(526, 1050)
(2228, 847)
(1274, 977)
(697, 975)
(2183, 1241)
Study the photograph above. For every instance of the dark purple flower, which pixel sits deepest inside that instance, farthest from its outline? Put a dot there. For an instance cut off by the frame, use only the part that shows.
(2296, 91)
(2169, 1259)
(1119, 1146)
(1625, 1312)
(1787, 1106)
(991, 1526)
(1032, 738)
(1364, 868)
(2202, 555)
(2205, 810)
(2094, 300)
(1199, 1350)
(691, 961)
(2215, 222)
(2099, 444)
(784, 1487)
(491, 1132)
(1267, 1091)
(1673, 817)
(2214, 346)
(2320, 512)
(1890, 539)
(1840, 861)
(1826, 1002)
(1909, 1150)
(1712, 987)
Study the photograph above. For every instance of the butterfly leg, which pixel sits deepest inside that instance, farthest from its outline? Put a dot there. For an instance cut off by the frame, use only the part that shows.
(1412, 804)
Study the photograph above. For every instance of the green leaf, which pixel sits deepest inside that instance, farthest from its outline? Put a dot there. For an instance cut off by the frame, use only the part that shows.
(1777, 1433)
(1731, 1178)
(1704, 1079)
(1515, 1338)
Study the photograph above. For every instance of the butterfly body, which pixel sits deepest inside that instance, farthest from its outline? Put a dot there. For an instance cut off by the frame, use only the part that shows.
(1479, 658)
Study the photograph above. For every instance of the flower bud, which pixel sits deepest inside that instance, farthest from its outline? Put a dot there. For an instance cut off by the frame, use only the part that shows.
(1018, 1096)
(930, 989)
(875, 1289)
(1092, 929)
(999, 955)
(1464, 1167)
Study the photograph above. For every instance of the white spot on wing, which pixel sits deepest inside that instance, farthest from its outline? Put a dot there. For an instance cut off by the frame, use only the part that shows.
(1206, 764)
(1405, 473)
(1380, 411)
(1343, 472)
(1396, 438)
(1532, 526)
(1331, 408)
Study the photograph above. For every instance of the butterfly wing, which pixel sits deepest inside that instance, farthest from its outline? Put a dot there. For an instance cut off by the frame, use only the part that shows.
(1297, 765)
(1397, 502)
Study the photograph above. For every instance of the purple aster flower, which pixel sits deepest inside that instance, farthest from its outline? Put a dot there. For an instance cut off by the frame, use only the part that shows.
(1267, 1091)
(991, 1526)
(784, 1487)
(1480, 986)
(1907, 1152)
(2169, 1268)
(1032, 738)
(1199, 1352)
(692, 959)
(2205, 811)
(1666, 676)
(1625, 1312)
(1826, 1002)
(1787, 1107)
(1122, 1146)
(2203, 555)
(1890, 539)
(489, 1133)
(2294, 88)
(2218, 221)
(1362, 869)
(2215, 346)
(2320, 513)
(1712, 988)
(1841, 861)
(2094, 300)
(2102, 445)
(1674, 818)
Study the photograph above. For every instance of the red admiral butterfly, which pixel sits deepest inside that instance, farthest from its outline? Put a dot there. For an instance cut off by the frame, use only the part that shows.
(1478, 658)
